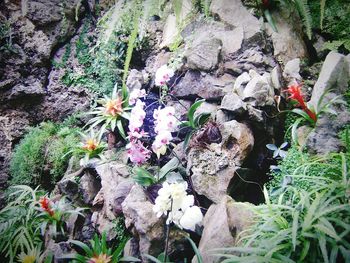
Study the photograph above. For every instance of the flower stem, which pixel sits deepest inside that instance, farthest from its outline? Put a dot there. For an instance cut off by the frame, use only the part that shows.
(167, 233)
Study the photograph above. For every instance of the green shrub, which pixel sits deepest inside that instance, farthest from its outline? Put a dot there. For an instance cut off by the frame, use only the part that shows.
(44, 151)
(302, 225)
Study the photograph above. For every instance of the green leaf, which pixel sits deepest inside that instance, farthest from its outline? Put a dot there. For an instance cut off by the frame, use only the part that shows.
(304, 115)
(270, 20)
(168, 167)
(121, 129)
(201, 119)
(192, 110)
(143, 177)
(295, 228)
(195, 249)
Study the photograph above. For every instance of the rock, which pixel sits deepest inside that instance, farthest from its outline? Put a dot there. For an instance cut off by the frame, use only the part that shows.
(241, 81)
(221, 117)
(222, 224)
(213, 167)
(258, 91)
(233, 103)
(234, 13)
(287, 42)
(204, 55)
(206, 107)
(144, 224)
(253, 58)
(181, 108)
(89, 186)
(291, 71)
(202, 29)
(194, 85)
(116, 184)
(135, 80)
(335, 74)
(276, 78)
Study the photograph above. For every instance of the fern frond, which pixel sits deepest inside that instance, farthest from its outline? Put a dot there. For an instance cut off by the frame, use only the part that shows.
(304, 11)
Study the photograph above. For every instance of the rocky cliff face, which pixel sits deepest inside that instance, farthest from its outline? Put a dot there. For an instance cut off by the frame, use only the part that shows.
(33, 33)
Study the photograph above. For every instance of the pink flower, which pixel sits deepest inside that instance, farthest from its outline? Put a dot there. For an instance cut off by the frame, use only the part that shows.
(136, 94)
(137, 152)
(163, 75)
(165, 123)
(136, 120)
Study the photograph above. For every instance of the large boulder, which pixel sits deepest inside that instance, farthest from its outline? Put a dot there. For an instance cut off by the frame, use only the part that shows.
(222, 224)
(146, 226)
(234, 13)
(288, 40)
(213, 167)
(116, 184)
(333, 82)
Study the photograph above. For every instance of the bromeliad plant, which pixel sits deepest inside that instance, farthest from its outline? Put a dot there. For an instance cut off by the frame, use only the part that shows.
(112, 113)
(99, 251)
(54, 214)
(91, 146)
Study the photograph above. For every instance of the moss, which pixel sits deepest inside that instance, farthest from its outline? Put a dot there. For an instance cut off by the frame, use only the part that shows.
(44, 151)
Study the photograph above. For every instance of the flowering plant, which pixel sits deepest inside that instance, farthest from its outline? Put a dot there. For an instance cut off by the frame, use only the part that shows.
(110, 115)
(305, 112)
(179, 207)
(99, 252)
(165, 124)
(163, 76)
(54, 214)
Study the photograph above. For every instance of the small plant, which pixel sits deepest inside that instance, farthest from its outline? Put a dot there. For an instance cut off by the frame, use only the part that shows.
(194, 123)
(54, 214)
(99, 251)
(278, 151)
(145, 178)
(48, 145)
(111, 114)
(90, 147)
(18, 225)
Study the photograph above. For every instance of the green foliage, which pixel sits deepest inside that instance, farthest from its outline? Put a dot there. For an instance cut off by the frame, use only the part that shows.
(111, 114)
(302, 224)
(45, 145)
(203, 6)
(98, 249)
(18, 227)
(194, 123)
(145, 178)
(5, 36)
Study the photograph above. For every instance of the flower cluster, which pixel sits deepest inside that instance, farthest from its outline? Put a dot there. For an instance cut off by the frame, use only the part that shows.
(102, 258)
(165, 124)
(114, 107)
(163, 75)
(135, 95)
(295, 91)
(174, 202)
(45, 205)
(137, 152)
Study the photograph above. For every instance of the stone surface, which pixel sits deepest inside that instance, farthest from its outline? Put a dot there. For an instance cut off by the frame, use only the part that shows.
(333, 79)
(144, 224)
(194, 85)
(233, 103)
(201, 29)
(223, 223)
(291, 71)
(204, 54)
(287, 42)
(89, 186)
(335, 74)
(213, 167)
(234, 13)
(258, 91)
(116, 184)
(253, 58)
(135, 80)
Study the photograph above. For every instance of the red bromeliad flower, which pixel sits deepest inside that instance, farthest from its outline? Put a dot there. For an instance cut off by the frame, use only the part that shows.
(295, 91)
(45, 205)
